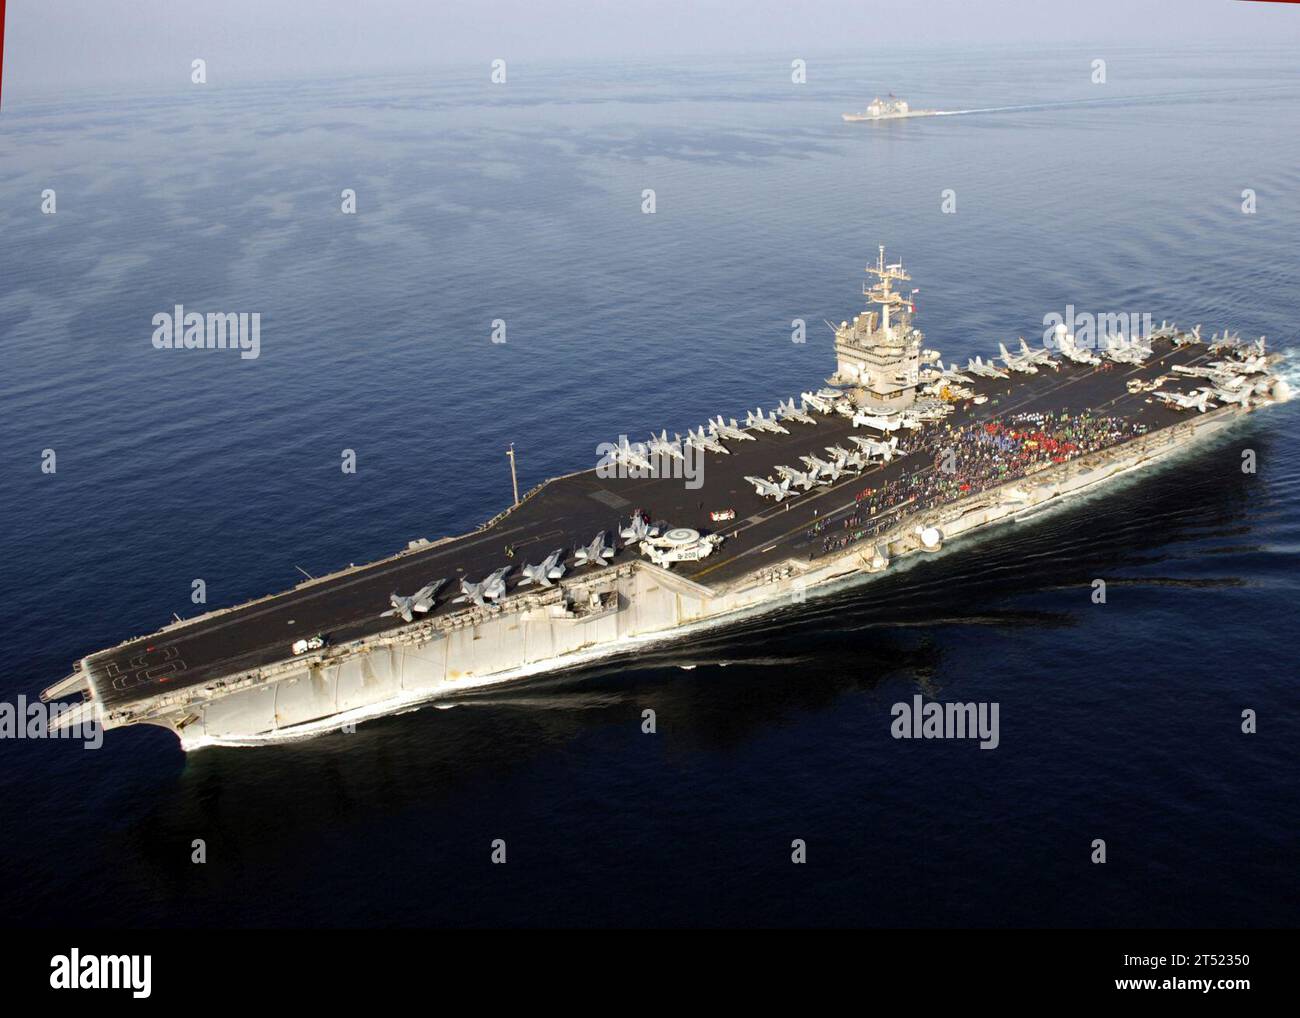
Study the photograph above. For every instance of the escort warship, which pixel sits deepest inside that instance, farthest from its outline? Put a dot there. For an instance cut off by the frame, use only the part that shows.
(891, 108)
(897, 455)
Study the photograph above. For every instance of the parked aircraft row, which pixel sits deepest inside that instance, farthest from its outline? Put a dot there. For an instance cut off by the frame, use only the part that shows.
(709, 437)
(1218, 375)
(825, 471)
(1243, 363)
(1217, 344)
(1115, 348)
(1225, 385)
(1230, 342)
(493, 587)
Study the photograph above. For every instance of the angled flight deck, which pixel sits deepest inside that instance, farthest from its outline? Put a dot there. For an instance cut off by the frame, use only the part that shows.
(568, 511)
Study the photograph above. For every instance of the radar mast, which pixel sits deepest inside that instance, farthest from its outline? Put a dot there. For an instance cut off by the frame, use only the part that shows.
(881, 292)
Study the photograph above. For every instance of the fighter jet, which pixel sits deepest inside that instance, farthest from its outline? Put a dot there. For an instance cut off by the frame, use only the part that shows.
(660, 446)
(1220, 365)
(801, 480)
(631, 455)
(1124, 351)
(542, 574)
(1071, 350)
(491, 589)
(772, 489)
(705, 442)
(1188, 338)
(885, 450)
(1247, 364)
(862, 419)
(1197, 401)
(1042, 358)
(637, 530)
(823, 472)
(1017, 362)
(1166, 330)
(1195, 372)
(985, 370)
(1229, 342)
(847, 460)
(1241, 395)
(595, 553)
(1117, 351)
(951, 374)
(790, 412)
(718, 429)
(420, 601)
(758, 422)
(1229, 380)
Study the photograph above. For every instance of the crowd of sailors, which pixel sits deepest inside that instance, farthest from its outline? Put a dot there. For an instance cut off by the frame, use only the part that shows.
(971, 458)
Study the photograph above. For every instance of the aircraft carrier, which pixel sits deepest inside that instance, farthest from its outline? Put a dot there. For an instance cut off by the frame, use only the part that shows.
(895, 455)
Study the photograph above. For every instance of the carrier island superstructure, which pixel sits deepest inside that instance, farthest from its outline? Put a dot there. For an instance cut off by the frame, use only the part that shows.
(896, 455)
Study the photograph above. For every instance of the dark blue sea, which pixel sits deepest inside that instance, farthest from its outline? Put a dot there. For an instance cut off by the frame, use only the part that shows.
(522, 202)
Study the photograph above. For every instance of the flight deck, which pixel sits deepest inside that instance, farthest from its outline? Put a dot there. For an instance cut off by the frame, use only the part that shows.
(567, 512)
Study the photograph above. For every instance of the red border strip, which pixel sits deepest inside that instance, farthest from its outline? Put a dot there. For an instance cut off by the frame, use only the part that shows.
(2, 46)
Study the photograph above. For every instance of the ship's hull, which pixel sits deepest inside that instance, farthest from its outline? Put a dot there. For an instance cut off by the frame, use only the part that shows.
(859, 117)
(528, 635)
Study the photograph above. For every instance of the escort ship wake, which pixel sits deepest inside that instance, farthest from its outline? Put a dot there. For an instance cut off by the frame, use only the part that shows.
(898, 454)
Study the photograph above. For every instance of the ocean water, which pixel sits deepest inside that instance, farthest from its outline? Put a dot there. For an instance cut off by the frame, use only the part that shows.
(523, 202)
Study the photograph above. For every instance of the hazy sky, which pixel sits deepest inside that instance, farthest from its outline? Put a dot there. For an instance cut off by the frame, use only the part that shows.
(80, 42)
